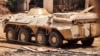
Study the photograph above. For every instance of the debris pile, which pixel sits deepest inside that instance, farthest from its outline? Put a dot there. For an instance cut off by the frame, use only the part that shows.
(3, 8)
(60, 52)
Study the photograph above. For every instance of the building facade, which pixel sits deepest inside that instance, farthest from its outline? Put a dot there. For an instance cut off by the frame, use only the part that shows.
(54, 5)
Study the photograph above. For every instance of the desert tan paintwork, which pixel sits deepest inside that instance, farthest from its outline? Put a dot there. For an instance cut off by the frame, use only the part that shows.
(62, 22)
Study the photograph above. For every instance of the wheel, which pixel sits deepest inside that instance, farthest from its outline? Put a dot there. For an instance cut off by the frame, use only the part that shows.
(55, 39)
(24, 35)
(11, 34)
(87, 42)
(41, 38)
(72, 42)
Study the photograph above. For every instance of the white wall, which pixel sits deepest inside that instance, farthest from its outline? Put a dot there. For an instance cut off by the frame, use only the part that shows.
(48, 4)
(26, 5)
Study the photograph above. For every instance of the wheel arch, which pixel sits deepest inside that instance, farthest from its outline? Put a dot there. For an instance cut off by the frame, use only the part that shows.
(7, 26)
(55, 30)
(17, 27)
(43, 29)
(25, 27)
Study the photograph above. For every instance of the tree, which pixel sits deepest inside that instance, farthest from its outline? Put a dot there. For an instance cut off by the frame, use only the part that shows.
(13, 5)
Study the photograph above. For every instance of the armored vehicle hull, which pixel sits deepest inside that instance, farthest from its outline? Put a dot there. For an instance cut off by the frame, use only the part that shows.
(52, 29)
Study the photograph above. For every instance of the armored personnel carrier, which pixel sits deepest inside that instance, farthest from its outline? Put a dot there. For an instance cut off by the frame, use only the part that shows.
(52, 29)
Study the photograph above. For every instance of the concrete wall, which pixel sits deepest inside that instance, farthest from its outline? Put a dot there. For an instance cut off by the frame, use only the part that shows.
(26, 5)
(48, 4)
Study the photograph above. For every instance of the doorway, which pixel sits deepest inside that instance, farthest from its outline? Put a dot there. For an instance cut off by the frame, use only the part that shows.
(36, 3)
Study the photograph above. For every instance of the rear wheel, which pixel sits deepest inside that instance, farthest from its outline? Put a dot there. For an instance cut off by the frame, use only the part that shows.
(55, 39)
(87, 42)
(41, 38)
(11, 34)
(24, 35)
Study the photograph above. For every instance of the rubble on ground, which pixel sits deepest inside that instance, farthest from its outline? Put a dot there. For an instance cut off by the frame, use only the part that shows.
(42, 52)
(3, 9)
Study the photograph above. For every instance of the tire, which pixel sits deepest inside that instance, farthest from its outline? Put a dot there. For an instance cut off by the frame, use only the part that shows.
(87, 42)
(11, 34)
(55, 39)
(41, 38)
(24, 35)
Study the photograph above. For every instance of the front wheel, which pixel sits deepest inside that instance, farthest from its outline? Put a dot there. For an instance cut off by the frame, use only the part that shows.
(87, 42)
(55, 39)
(11, 34)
